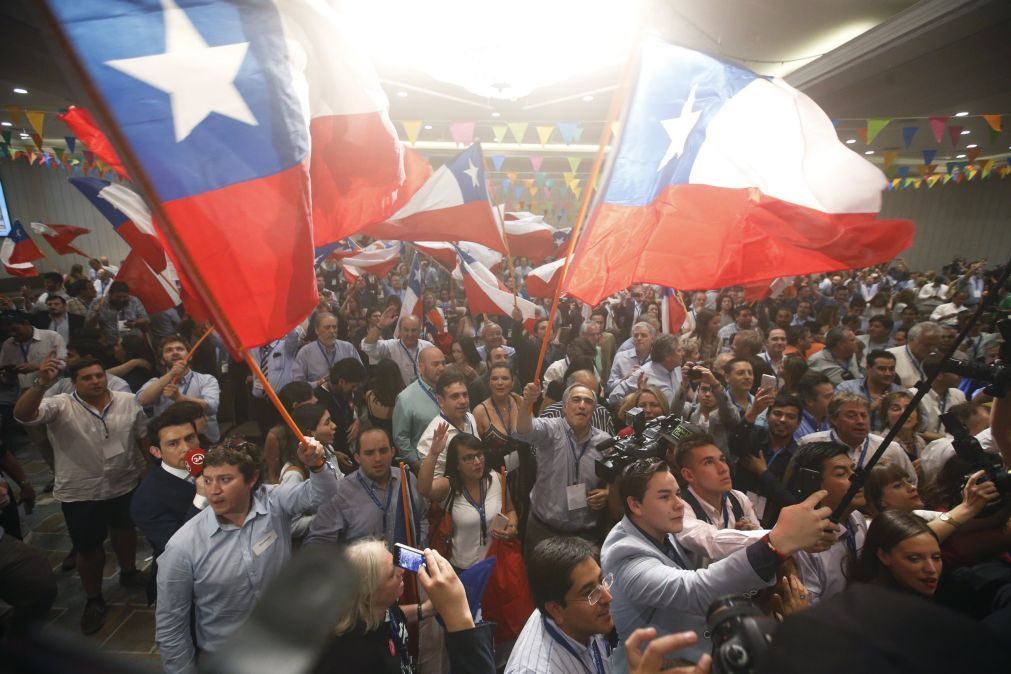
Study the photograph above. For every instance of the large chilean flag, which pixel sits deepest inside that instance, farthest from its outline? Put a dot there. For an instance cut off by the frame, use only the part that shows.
(723, 177)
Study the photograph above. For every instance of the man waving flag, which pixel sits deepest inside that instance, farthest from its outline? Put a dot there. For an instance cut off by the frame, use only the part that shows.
(722, 177)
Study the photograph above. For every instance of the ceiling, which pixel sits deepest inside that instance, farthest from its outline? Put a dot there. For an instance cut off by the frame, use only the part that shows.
(858, 59)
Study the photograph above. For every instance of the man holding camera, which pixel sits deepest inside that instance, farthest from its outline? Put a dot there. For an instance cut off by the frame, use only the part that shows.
(663, 371)
(657, 583)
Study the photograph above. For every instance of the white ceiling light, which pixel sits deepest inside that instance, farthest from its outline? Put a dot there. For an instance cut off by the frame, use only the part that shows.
(850, 141)
(959, 156)
(6, 124)
(19, 90)
(972, 145)
(869, 152)
(567, 40)
(587, 98)
(966, 132)
(961, 114)
(402, 94)
(496, 114)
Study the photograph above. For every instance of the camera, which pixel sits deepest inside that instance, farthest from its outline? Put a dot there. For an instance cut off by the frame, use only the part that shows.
(969, 450)
(997, 375)
(740, 633)
(648, 439)
(694, 375)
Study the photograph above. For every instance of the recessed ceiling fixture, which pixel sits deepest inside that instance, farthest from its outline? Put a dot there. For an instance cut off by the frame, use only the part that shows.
(587, 98)
(966, 132)
(869, 152)
(402, 94)
(428, 127)
(972, 145)
(850, 141)
(6, 124)
(496, 114)
(959, 156)
(961, 114)
(19, 90)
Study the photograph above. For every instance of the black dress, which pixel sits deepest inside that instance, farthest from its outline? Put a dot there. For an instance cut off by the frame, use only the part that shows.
(380, 651)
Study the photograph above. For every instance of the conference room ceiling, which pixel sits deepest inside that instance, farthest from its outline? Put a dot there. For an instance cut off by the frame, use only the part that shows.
(859, 59)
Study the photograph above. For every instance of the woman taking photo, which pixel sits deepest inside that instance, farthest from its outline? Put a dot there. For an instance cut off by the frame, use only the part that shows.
(707, 332)
(496, 416)
(471, 496)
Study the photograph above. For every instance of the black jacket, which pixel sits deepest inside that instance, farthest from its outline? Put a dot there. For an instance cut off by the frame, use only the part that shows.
(161, 505)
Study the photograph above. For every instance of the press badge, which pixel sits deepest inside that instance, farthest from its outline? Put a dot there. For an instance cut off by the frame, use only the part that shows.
(575, 495)
(112, 447)
(264, 543)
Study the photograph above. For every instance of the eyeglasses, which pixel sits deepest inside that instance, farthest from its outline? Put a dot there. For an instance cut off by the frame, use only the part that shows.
(596, 593)
(473, 458)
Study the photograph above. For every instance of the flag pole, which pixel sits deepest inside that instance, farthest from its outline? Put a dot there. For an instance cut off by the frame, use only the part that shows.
(130, 159)
(617, 102)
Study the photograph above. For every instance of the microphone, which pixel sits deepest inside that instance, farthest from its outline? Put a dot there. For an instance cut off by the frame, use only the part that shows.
(194, 459)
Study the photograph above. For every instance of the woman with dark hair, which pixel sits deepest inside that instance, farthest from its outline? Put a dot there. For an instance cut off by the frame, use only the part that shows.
(725, 308)
(313, 421)
(385, 384)
(901, 553)
(792, 370)
(353, 317)
(496, 416)
(470, 494)
(136, 361)
(892, 406)
(465, 356)
(279, 439)
(707, 329)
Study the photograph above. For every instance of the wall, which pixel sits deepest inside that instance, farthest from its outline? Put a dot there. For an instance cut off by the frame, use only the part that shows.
(44, 195)
(972, 220)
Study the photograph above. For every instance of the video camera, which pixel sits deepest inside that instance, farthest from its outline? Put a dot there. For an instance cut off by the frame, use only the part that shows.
(740, 633)
(997, 375)
(969, 450)
(648, 439)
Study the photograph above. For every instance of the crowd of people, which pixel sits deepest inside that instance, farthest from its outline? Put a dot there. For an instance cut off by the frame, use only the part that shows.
(433, 430)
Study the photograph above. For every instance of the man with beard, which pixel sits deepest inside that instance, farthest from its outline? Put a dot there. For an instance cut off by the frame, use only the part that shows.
(181, 383)
(117, 313)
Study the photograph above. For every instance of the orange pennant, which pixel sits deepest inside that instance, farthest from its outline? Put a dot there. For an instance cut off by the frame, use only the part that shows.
(993, 121)
(862, 132)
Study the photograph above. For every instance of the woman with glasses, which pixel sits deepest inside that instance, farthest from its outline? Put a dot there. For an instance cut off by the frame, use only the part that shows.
(470, 494)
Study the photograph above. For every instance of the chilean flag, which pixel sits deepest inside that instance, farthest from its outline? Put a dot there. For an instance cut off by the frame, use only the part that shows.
(722, 177)
(338, 250)
(17, 252)
(445, 254)
(84, 127)
(129, 215)
(411, 305)
(527, 235)
(154, 291)
(672, 312)
(543, 281)
(378, 259)
(453, 205)
(60, 237)
(486, 294)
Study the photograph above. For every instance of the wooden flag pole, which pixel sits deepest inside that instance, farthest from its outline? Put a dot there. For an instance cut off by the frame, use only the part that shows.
(620, 94)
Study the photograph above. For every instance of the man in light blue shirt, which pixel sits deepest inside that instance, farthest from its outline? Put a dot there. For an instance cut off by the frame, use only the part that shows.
(629, 360)
(663, 371)
(315, 359)
(181, 383)
(218, 564)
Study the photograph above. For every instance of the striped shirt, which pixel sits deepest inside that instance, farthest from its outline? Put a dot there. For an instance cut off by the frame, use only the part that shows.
(539, 652)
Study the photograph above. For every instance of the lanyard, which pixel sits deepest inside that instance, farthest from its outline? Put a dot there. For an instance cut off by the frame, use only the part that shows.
(413, 357)
(560, 639)
(101, 417)
(915, 362)
(329, 359)
(506, 420)
(389, 497)
(467, 428)
(779, 451)
(863, 452)
(428, 391)
(184, 384)
(977, 286)
(397, 637)
(844, 366)
(479, 507)
(576, 458)
(25, 348)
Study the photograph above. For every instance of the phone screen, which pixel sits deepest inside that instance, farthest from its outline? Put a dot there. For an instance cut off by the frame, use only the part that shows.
(769, 382)
(408, 558)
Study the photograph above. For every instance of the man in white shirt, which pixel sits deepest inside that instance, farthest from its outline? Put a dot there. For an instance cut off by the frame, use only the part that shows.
(976, 418)
(849, 415)
(942, 396)
(947, 314)
(454, 409)
(28, 347)
(921, 340)
(181, 383)
(403, 351)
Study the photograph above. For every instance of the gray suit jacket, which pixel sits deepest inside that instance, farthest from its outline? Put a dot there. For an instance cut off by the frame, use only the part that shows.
(651, 590)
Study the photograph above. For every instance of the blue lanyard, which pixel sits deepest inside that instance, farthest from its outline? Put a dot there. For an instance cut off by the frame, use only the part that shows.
(779, 451)
(576, 458)
(101, 417)
(428, 391)
(389, 497)
(560, 639)
(916, 363)
(25, 348)
(467, 428)
(184, 384)
(863, 452)
(479, 507)
(414, 357)
(329, 359)
(507, 420)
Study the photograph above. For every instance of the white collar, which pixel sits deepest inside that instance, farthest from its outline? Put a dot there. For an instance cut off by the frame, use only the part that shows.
(181, 473)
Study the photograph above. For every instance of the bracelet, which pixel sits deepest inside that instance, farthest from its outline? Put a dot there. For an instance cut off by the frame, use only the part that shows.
(421, 613)
(768, 541)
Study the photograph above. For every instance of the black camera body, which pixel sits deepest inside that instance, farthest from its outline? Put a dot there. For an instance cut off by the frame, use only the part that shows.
(997, 375)
(648, 439)
(740, 633)
(969, 450)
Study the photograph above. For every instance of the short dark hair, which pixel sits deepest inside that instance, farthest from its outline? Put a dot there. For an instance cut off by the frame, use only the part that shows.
(293, 393)
(787, 400)
(307, 417)
(693, 441)
(80, 364)
(87, 348)
(883, 319)
(74, 288)
(795, 333)
(119, 287)
(834, 336)
(350, 370)
(807, 387)
(164, 341)
(878, 354)
(54, 296)
(728, 367)
(244, 455)
(964, 411)
(550, 565)
(635, 479)
(812, 456)
(449, 376)
(53, 276)
(742, 307)
(172, 416)
(663, 346)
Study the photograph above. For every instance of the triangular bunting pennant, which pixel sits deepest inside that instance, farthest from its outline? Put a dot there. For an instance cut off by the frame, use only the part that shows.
(929, 169)
(17, 115)
(37, 119)
(993, 121)
(890, 157)
(528, 182)
(499, 131)
(862, 132)
(908, 133)
(412, 127)
(972, 153)
(945, 178)
(570, 131)
(903, 172)
(462, 133)
(511, 175)
(506, 184)
(497, 160)
(536, 162)
(37, 139)
(544, 133)
(993, 135)
(574, 163)
(937, 125)
(518, 191)
(518, 129)
(987, 168)
(954, 133)
(951, 167)
(928, 156)
(71, 143)
(874, 127)
(540, 178)
(533, 191)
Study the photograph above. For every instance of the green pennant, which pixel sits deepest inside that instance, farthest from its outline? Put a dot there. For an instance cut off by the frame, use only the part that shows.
(874, 127)
(500, 131)
(518, 129)
(574, 163)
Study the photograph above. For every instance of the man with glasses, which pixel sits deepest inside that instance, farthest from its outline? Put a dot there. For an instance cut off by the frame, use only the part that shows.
(656, 581)
(314, 360)
(568, 497)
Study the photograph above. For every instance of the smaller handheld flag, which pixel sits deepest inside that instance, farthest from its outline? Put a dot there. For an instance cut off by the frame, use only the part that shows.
(60, 237)
(18, 251)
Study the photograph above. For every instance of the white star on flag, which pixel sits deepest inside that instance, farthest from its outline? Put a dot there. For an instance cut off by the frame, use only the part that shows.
(198, 78)
(472, 171)
(678, 129)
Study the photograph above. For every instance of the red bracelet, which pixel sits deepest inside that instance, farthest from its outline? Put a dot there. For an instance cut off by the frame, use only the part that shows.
(767, 539)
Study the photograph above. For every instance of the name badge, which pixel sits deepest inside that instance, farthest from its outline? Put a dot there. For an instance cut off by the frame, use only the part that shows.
(264, 543)
(575, 496)
(112, 447)
(759, 503)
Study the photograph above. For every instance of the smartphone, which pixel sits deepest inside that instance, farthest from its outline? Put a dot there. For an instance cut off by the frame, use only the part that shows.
(408, 558)
(500, 521)
(769, 382)
(808, 482)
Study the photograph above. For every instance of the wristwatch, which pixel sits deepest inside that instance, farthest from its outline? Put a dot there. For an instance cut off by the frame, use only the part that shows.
(948, 519)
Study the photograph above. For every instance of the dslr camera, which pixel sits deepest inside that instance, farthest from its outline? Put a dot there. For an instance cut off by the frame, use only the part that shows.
(969, 450)
(648, 439)
(740, 633)
(997, 375)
